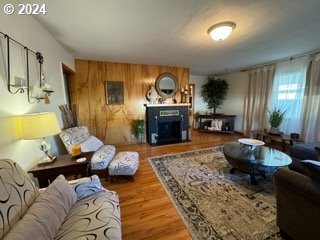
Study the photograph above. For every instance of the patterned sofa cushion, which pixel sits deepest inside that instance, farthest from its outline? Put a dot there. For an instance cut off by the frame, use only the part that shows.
(17, 193)
(94, 217)
(74, 135)
(102, 157)
(44, 218)
(124, 163)
(85, 187)
(91, 144)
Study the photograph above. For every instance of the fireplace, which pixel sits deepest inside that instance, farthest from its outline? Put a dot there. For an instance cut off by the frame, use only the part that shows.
(167, 123)
(169, 132)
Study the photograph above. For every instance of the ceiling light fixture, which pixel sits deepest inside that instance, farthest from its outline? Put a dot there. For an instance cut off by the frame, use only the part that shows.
(221, 31)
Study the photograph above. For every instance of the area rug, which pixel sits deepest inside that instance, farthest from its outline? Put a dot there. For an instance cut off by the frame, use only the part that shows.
(213, 203)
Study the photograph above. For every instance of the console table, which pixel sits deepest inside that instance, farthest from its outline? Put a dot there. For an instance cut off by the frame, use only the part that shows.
(64, 164)
(263, 135)
(228, 121)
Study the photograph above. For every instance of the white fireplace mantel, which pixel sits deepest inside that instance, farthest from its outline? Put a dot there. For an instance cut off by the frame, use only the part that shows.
(167, 105)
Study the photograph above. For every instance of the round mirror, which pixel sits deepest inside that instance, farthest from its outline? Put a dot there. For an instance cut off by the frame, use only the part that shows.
(166, 85)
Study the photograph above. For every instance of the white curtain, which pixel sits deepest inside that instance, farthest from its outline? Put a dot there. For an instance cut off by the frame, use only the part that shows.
(288, 92)
(260, 82)
(310, 122)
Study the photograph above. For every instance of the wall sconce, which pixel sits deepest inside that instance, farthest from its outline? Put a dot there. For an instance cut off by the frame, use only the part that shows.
(20, 84)
(40, 90)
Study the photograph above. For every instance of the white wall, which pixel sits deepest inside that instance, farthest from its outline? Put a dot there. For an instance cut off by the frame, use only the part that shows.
(235, 99)
(198, 81)
(234, 103)
(30, 33)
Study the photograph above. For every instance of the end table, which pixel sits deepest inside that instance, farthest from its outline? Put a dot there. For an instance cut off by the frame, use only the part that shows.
(64, 164)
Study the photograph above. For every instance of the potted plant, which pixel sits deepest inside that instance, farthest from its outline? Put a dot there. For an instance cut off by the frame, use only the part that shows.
(275, 118)
(138, 128)
(214, 92)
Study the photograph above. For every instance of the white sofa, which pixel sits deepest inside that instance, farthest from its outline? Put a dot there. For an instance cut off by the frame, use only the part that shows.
(82, 209)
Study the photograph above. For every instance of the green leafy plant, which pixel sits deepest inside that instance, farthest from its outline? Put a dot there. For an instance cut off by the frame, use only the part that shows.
(214, 92)
(138, 128)
(275, 117)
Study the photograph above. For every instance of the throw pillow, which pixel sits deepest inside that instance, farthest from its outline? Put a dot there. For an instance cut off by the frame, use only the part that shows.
(91, 144)
(45, 216)
(85, 187)
(312, 168)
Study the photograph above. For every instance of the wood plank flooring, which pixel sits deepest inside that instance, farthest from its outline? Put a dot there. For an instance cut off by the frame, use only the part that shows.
(146, 210)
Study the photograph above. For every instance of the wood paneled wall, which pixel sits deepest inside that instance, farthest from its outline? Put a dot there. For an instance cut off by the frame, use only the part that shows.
(112, 123)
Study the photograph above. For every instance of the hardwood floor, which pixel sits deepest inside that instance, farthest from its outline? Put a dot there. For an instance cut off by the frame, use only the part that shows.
(146, 210)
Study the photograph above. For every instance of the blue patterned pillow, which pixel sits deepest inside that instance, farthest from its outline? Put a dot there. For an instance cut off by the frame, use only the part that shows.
(85, 187)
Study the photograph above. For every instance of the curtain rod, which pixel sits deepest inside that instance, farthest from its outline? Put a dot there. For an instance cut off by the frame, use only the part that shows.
(264, 64)
(280, 60)
(25, 47)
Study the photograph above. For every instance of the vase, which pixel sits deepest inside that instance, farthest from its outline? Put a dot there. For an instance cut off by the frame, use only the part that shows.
(152, 95)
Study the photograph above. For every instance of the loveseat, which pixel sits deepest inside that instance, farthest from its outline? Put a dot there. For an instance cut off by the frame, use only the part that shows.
(81, 209)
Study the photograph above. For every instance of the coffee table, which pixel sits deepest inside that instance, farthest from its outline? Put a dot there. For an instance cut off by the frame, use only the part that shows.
(64, 164)
(260, 161)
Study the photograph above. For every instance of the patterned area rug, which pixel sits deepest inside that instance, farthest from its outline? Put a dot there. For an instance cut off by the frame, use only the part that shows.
(213, 203)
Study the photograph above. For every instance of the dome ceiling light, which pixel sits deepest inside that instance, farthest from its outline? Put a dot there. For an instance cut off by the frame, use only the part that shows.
(221, 31)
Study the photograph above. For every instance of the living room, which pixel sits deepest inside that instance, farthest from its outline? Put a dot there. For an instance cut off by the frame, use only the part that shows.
(94, 54)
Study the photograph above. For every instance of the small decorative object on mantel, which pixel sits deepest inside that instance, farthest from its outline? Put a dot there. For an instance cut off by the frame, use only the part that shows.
(275, 118)
(186, 94)
(152, 95)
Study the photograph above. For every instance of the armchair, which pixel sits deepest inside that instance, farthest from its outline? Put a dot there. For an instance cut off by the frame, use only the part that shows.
(103, 154)
(303, 151)
(298, 200)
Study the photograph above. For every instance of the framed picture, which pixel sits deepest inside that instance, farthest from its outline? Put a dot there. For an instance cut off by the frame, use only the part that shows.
(114, 92)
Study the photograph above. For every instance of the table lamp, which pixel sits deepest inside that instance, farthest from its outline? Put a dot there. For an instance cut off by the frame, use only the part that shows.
(40, 125)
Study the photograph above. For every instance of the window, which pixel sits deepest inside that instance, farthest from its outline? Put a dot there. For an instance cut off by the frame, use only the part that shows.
(288, 91)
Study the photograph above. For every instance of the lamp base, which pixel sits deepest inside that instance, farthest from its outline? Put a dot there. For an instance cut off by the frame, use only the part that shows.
(46, 160)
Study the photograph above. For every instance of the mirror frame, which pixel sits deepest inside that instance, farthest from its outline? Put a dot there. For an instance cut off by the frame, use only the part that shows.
(158, 80)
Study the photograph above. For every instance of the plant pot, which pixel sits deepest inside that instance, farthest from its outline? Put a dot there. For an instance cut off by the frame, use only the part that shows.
(274, 131)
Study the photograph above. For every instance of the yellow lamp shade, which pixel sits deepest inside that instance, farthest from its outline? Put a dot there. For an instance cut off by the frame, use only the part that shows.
(38, 125)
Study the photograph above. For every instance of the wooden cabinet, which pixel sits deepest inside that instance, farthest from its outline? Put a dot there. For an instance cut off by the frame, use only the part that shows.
(204, 123)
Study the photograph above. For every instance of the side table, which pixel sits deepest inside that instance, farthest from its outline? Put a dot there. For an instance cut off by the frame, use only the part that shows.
(64, 164)
(262, 135)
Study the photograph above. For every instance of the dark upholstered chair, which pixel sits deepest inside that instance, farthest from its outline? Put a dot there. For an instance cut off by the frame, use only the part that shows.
(302, 151)
(298, 201)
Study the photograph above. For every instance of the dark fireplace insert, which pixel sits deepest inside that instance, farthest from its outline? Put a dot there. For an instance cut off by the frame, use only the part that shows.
(169, 132)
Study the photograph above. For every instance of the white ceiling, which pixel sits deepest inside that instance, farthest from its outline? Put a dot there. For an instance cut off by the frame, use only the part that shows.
(174, 32)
